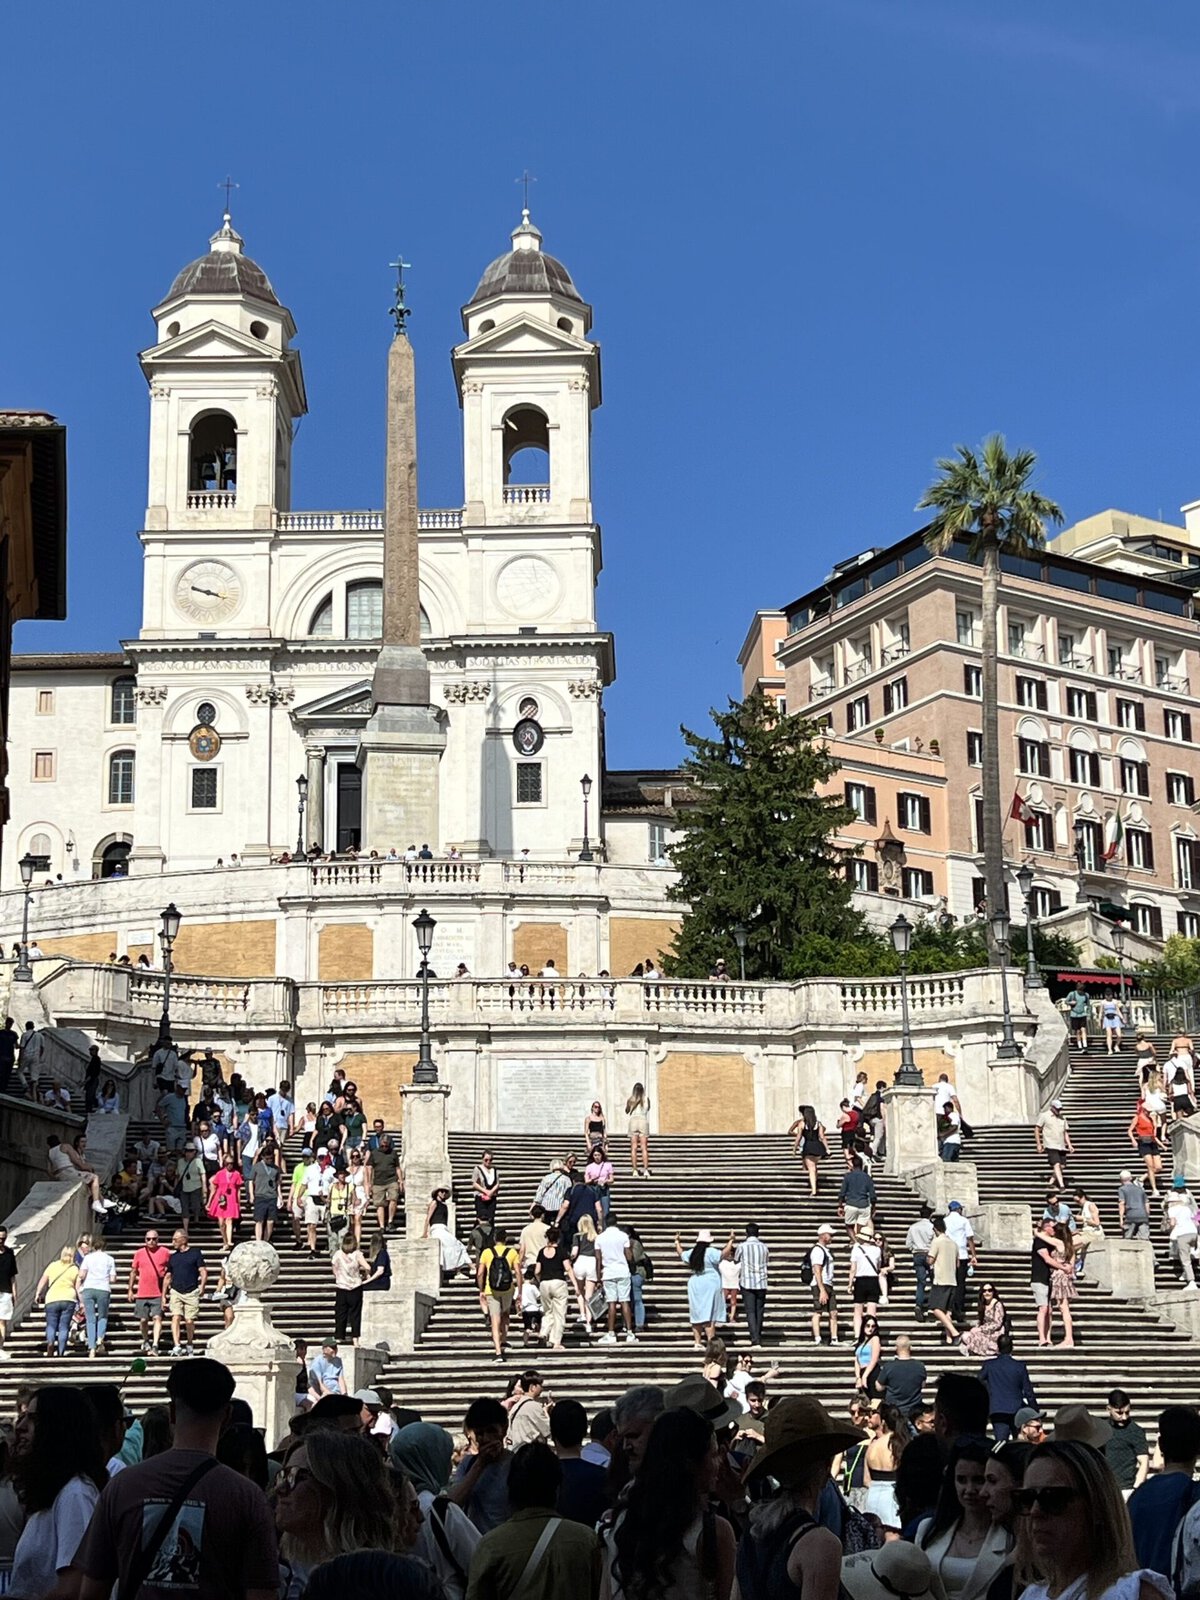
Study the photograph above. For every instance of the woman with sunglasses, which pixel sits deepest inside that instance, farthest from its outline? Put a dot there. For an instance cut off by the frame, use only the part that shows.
(868, 1350)
(1074, 1540)
(1001, 1479)
(331, 1498)
(964, 1548)
(356, 1177)
(983, 1340)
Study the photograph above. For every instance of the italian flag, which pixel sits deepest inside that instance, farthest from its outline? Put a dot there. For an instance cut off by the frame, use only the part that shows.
(1114, 830)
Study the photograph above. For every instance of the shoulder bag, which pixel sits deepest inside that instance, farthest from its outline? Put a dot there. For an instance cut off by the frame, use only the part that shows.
(139, 1571)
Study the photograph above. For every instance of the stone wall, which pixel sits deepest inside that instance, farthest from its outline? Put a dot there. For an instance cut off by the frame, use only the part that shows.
(705, 1093)
(345, 952)
(24, 1129)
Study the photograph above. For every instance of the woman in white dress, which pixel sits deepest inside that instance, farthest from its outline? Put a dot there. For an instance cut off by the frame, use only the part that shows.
(437, 1226)
(1075, 1541)
(356, 1176)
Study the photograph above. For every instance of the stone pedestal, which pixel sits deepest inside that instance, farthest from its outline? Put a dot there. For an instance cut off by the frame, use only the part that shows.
(1185, 1147)
(1125, 1267)
(1003, 1226)
(426, 1149)
(261, 1359)
(911, 1129)
(396, 1320)
(399, 753)
(939, 1182)
(25, 1004)
(1180, 1306)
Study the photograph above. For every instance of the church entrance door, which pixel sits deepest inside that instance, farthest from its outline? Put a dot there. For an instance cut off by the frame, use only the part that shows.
(349, 806)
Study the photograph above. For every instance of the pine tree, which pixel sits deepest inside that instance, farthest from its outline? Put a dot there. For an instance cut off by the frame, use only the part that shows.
(756, 848)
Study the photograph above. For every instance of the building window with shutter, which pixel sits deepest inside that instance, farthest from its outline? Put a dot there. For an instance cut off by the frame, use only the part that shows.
(1135, 777)
(1039, 834)
(858, 713)
(529, 783)
(977, 807)
(895, 695)
(45, 702)
(1033, 756)
(1084, 767)
(1046, 902)
(1081, 704)
(1189, 924)
(1139, 849)
(1187, 863)
(43, 766)
(860, 797)
(1177, 725)
(864, 875)
(913, 812)
(1181, 789)
(1089, 845)
(973, 681)
(204, 788)
(974, 747)
(1131, 714)
(917, 884)
(657, 846)
(1031, 692)
(1147, 919)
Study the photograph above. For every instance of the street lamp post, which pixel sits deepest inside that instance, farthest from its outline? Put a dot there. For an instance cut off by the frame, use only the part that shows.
(909, 1075)
(170, 920)
(302, 797)
(1009, 1049)
(425, 1071)
(585, 783)
(1024, 877)
(739, 938)
(1118, 939)
(24, 972)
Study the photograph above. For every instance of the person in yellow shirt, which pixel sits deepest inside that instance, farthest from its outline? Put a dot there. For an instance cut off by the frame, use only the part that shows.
(58, 1291)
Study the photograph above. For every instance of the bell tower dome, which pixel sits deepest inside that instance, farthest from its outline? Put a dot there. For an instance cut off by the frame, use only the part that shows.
(226, 389)
(528, 379)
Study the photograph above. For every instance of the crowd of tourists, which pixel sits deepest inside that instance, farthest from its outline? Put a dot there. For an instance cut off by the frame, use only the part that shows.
(666, 1494)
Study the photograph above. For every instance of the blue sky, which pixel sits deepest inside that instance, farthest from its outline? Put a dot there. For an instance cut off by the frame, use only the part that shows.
(825, 240)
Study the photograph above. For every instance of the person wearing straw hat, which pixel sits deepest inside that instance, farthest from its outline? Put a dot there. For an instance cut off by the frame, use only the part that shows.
(784, 1547)
(1077, 1422)
(898, 1571)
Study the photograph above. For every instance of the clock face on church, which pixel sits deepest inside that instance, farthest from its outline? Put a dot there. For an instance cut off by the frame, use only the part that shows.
(208, 591)
(527, 586)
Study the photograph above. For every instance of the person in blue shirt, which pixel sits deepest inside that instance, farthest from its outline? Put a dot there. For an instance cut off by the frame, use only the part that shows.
(326, 1374)
(1009, 1387)
(1160, 1505)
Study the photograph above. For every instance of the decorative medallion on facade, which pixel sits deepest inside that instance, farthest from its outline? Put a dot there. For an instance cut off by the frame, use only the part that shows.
(204, 742)
(528, 737)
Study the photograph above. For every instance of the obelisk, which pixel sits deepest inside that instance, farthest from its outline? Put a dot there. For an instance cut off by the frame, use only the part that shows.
(402, 744)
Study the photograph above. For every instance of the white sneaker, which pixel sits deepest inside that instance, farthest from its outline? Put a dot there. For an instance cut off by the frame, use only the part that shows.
(631, 1338)
(608, 1338)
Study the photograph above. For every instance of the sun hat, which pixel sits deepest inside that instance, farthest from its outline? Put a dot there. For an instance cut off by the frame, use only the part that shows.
(704, 1236)
(1026, 1414)
(797, 1431)
(896, 1571)
(1077, 1422)
(698, 1395)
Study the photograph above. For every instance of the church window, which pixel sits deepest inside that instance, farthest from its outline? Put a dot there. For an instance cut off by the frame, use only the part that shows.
(122, 705)
(172, 330)
(529, 783)
(213, 456)
(364, 610)
(528, 707)
(206, 713)
(43, 766)
(120, 778)
(321, 626)
(259, 330)
(204, 788)
(526, 436)
(565, 324)
(486, 325)
(39, 845)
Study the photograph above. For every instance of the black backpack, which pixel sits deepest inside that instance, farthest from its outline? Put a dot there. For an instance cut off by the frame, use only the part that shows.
(807, 1274)
(500, 1272)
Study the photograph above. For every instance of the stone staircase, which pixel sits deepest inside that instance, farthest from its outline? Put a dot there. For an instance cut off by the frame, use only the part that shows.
(719, 1182)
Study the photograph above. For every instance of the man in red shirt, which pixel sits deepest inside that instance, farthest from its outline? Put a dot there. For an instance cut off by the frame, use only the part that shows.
(146, 1274)
(220, 1540)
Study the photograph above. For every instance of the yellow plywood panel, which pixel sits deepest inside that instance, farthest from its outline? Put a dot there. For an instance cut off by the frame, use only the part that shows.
(379, 1074)
(705, 1093)
(346, 953)
(883, 1064)
(81, 946)
(536, 943)
(632, 939)
(226, 949)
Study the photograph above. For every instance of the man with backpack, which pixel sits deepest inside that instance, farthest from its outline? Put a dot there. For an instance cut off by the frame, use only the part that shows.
(496, 1276)
(817, 1269)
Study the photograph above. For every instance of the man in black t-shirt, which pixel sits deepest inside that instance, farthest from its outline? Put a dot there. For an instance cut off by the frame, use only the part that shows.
(8, 1284)
(9, 1040)
(183, 1284)
(902, 1380)
(1128, 1451)
(1040, 1272)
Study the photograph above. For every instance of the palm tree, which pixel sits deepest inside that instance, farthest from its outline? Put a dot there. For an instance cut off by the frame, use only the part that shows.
(987, 499)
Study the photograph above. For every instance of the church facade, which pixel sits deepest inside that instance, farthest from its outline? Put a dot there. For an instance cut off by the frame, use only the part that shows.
(233, 724)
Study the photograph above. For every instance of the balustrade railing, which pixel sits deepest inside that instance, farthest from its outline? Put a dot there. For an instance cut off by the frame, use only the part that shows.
(360, 521)
(211, 499)
(366, 870)
(466, 999)
(526, 494)
(881, 996)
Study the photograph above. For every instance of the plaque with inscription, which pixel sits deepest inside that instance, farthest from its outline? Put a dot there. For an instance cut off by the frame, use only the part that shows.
(543, 1094)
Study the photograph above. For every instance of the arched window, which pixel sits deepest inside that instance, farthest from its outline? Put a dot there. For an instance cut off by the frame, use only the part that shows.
(39, 845)
(321, 626)
(120, 778)
(364, 610)
(212, 460)
(122, 704)
(526, 436)
(426, 630)
(114, 860)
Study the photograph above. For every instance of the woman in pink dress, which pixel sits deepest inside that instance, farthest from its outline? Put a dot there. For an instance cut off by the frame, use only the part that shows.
(983, 1340)
(224, 1203)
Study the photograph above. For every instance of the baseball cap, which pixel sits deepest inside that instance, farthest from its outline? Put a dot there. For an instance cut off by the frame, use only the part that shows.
(1056, 1105)
(826, 1228)
(955, 1205)
(1024, 1415)
(368, 1397)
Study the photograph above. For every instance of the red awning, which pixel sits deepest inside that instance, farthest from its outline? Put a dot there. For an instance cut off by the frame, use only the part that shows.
(1113, 978)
